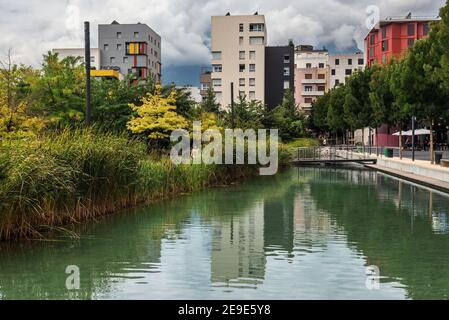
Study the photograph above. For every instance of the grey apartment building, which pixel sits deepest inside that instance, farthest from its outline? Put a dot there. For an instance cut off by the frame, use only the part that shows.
(130, 49)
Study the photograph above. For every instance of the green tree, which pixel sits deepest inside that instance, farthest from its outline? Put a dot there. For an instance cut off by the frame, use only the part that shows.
(209, 104)
(335, 113)
(319, 112)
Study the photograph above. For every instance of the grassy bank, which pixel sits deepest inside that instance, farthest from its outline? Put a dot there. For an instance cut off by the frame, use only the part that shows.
(68, 177)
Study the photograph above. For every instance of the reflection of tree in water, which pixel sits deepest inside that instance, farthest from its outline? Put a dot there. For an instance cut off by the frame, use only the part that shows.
(390, 222)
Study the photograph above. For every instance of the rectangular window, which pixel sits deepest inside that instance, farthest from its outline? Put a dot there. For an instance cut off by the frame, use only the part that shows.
(112, 60)
(252, 68)
(308, 88)
(350, 62)
(308, 65)
(252, 82)
(286, 71)
(252, 55)
(321, 88)
(361, 62)
(337, 82)
(348, 72)
(241, 41)
(241, 29)
(216, 55)
(333, 72)
(385, 45)
(286, 58)
(337, 62)
(372, 40)
(256, 41)
(321, 65)
(242, 68)
(252, 95)
(410, 42)
(256, 27)
(371, 52)
(242, 82)
(119, 35)
(136, 34)
(321, 76)
(411, 29)
(125, 59)
(216, 82)
(242, 55)
(119, 46)
(286, 85)
(426, 29)
(242, 94)
(308, 100)
(92, 59)
(308, 76)
(384, 32)
(217, 68)
(106, 47)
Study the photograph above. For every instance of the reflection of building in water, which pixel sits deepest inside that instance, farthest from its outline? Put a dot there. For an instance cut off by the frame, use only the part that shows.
(278, 224)
(238, 249)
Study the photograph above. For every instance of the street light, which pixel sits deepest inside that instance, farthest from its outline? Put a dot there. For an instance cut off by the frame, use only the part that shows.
(413, 138)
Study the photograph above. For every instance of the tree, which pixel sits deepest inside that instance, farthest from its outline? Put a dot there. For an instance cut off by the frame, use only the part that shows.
(185, 105)
(319, 112)
(335, 113)
(209, 104)
(156, 117)
(247, 115)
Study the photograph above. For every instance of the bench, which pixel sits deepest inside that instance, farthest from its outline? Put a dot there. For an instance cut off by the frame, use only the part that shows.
(445, 163)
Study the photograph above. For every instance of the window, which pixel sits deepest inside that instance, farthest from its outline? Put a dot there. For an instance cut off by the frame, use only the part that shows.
(216, 55)
(252, 95)
(241, 29)
(242, 82)
(350, 62)
(241, 41)
(252, 68)
(308, 76)
(136, 34)
(348, 72)
(112, 60)
(384, 32)
(256, 40)
(372, 40)
(217, 68)
(286, 85)
(242, 55)
(308, 88)
(242, 68)
(337, 62)
(136, 48)
(204, 86)
(361, 62)
(218, 95)
(410, 42)
(333, 72)
(287, 58)
(308, 65)
(119, 46)
(321, 76)
(125, 59)
(256, 27)
(337, 82)
(252, 55)
(286, 71)
(252, 82)
(106, 47)
(384, 58)
(371, 52)
(426, 29)
(385, 45)
(216, 82)
(321, 88)
(411, 29)
(321, 65)
(308, 100)
(92, 59)
(241, 94)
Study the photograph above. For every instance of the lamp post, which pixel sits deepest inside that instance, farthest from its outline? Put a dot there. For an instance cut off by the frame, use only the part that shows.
(413, 138)
(87, 63)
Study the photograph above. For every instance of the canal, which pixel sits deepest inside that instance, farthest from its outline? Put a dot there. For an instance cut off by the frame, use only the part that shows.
(308, 233)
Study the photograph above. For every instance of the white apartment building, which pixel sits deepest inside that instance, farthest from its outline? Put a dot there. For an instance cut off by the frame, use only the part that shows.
(79, 52)
(344, 65)
(238, 57)
(311, 75)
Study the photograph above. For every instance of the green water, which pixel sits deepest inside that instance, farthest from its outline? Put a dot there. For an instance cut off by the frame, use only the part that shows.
(305, 234)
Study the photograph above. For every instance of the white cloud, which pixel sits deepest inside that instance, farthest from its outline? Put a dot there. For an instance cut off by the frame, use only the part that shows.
(32, 27)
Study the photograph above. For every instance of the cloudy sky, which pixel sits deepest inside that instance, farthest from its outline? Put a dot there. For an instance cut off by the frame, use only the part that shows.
(32, 27)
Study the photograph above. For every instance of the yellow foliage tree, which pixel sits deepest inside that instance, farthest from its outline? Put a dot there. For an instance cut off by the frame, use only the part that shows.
(157, 117)
(209, 121)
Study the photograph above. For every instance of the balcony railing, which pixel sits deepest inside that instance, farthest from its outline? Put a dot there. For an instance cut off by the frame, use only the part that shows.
(309, 81)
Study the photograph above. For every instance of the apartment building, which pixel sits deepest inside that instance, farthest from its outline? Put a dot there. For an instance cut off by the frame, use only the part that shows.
(79, 52)
(238, 57)
(342, 66)
(279, 73)
(130, 49)
(393, 36)
(205, 81)
(311, 75)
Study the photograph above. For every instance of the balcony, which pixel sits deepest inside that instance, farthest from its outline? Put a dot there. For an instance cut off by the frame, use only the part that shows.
(312, 93)
(313, 81)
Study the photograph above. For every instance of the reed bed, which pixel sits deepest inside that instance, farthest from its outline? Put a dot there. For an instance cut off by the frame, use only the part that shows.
(75, 175)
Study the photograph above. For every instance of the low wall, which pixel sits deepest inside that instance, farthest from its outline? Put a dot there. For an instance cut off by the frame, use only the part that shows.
(430, 171)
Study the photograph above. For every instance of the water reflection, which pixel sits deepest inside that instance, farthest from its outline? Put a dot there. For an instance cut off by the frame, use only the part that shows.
(307, 233)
